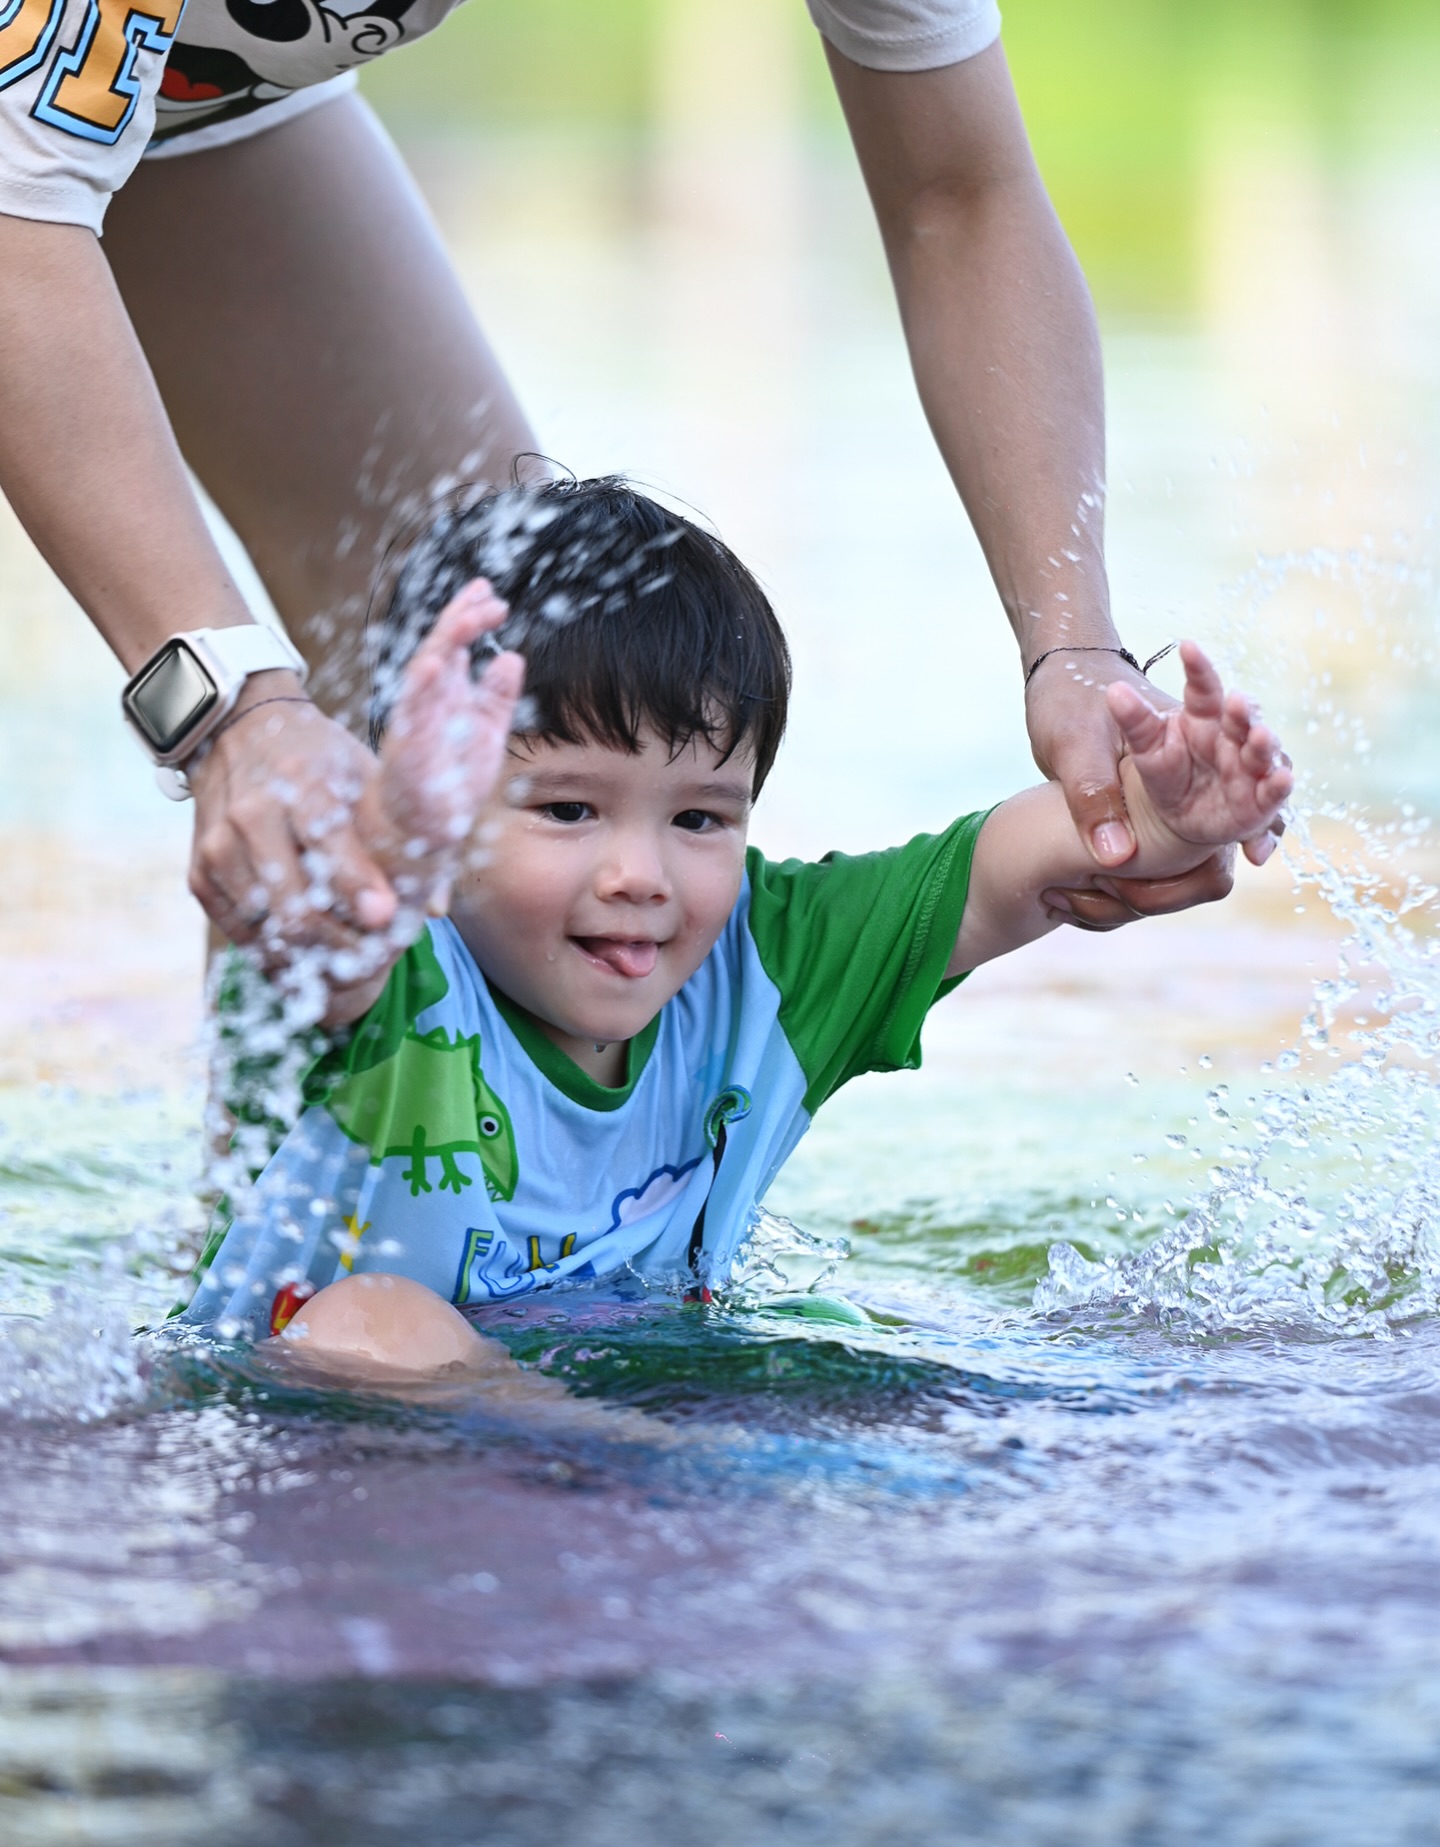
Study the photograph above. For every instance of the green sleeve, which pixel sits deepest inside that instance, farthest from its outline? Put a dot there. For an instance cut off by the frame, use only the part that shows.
(858, 946)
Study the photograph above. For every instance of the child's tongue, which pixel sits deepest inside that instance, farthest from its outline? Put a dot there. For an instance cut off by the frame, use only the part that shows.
(632, 959)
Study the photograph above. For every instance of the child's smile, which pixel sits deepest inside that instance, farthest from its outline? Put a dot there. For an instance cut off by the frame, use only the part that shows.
(609, 877)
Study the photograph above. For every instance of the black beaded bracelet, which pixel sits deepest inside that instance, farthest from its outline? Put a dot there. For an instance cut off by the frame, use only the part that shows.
(1124, 653)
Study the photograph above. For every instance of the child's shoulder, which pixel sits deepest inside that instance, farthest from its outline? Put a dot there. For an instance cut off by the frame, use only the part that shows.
(845, 888)
(828, 931)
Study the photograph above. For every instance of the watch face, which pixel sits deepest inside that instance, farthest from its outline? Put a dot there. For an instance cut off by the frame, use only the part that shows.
(169, 697)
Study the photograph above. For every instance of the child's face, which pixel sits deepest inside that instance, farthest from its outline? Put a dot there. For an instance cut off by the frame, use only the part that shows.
(608, 880)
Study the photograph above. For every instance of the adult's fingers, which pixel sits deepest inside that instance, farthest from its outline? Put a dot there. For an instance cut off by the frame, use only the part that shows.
(1088, 910)
(1097, 806)
(364, 897)
(344, 880)
(262, 889)
(276, 859)
(242, 868)
(1111, 902)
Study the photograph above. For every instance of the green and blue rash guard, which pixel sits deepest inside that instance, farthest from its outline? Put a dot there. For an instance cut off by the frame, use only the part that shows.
(446, 1139)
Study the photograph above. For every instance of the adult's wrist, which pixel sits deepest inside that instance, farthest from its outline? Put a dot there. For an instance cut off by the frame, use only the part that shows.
(1121, 653)
(197, 682)
(273, 683)
(261, 692)
(1053, 631)
(1071, 649)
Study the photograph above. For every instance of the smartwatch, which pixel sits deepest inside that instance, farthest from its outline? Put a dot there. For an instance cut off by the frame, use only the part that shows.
(181, 694)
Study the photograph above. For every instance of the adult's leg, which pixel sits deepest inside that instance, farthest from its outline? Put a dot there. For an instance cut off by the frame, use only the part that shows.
(317, 356)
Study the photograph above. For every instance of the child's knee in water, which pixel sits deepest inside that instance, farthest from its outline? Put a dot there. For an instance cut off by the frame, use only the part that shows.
(391, 1322)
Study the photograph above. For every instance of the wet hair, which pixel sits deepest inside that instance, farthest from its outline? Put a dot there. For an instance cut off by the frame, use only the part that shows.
(630, 617)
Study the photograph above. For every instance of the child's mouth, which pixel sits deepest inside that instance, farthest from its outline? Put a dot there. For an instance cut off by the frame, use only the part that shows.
(634, 958)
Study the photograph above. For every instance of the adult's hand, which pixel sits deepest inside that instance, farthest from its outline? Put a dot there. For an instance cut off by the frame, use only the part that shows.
(276, 859)
(1077, 743)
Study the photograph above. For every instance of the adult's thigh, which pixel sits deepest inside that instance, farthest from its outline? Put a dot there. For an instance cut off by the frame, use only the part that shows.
(317, 356)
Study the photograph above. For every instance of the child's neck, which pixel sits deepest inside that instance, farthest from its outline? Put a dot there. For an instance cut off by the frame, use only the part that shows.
(606, 1063)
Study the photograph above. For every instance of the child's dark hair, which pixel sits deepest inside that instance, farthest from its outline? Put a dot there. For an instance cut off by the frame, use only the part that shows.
(629, 616)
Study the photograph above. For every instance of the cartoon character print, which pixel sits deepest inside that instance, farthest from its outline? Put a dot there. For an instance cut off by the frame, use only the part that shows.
(652, 1195)
(235, 56)
(429, 1102)
(492, 1268)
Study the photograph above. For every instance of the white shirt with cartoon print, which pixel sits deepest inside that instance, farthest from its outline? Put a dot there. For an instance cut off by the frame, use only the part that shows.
(445, 1138)
(89, 86)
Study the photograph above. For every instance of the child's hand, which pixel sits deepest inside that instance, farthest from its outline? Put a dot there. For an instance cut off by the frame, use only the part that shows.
(445, 747)
(1205, 775)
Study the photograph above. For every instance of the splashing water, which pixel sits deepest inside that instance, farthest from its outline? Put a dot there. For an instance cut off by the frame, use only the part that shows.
(1323, 1212)
(79, 1363)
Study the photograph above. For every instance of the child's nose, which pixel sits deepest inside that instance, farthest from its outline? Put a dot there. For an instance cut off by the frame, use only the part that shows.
(634, 870)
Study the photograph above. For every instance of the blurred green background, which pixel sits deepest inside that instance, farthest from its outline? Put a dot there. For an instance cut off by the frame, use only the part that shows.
(1127, 102)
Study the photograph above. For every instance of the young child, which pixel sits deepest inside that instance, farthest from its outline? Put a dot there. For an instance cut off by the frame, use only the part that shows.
(593, 1059)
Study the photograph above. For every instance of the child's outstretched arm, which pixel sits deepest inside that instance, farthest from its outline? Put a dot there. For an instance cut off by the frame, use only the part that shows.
(1207, 774)
(442, 756)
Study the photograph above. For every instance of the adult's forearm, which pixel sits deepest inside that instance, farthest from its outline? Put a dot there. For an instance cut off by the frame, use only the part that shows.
(1001, 332)
(87, 459)
(1007, 360)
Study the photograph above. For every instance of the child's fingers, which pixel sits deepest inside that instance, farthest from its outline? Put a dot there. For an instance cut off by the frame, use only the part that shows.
(472, 612)
(1262, 757)
(1259, 847)
(1204, 690)
(1259, 746)
(1239, 719)
(1275, 789)
(503, 680)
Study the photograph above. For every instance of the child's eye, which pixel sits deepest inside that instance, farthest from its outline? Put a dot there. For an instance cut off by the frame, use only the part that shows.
(567, 813)
(696, 820)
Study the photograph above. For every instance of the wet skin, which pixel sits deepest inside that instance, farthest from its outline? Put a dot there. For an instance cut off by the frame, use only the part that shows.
(609, 875)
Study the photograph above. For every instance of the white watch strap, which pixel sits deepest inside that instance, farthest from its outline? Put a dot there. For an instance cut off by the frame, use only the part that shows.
(250, 648)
